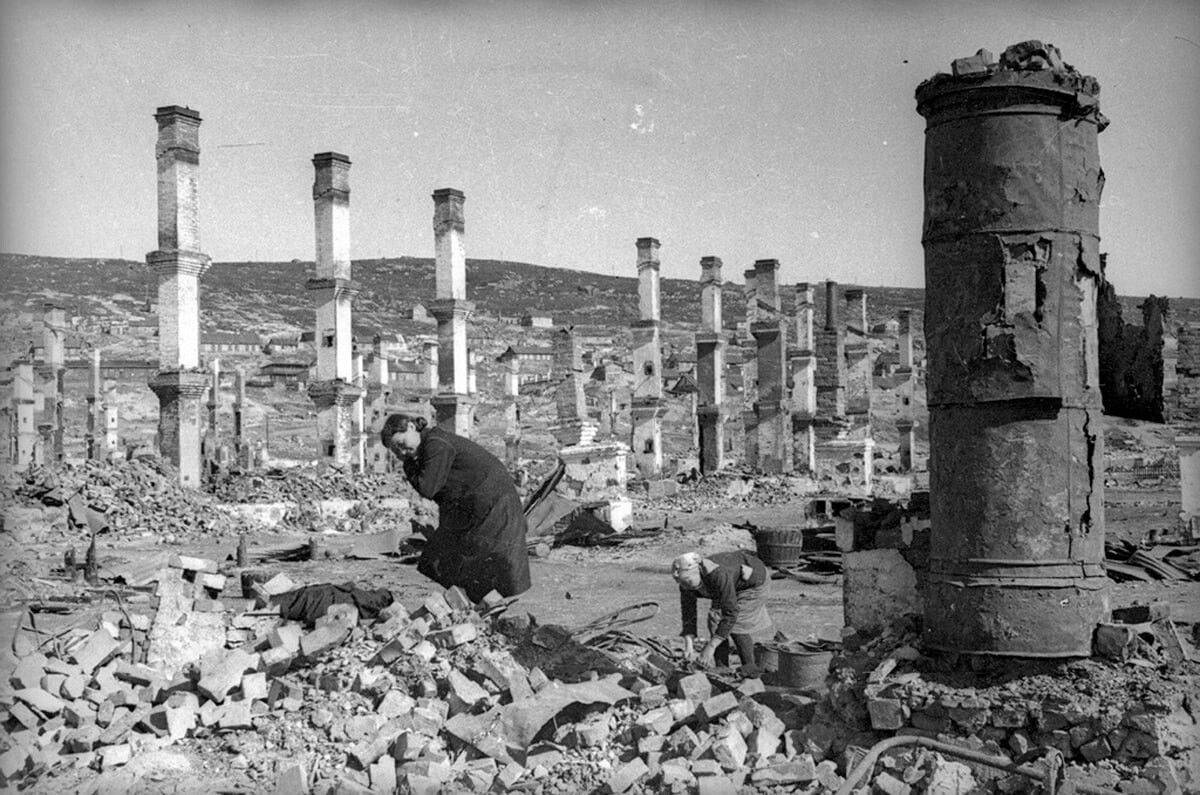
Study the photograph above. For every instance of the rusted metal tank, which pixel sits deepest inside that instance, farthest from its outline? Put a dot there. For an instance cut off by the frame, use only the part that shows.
(1011, 237)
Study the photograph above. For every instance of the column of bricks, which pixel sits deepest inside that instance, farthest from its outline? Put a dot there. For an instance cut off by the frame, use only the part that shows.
(453, 406)
(180, 381)
(647, 404)
(710, 368)
(773, 423)
(334, 392)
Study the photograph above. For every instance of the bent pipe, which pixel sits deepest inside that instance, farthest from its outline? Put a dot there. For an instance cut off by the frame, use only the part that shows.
(868, 762)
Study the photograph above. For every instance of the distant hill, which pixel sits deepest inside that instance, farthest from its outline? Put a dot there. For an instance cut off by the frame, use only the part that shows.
(269, 297)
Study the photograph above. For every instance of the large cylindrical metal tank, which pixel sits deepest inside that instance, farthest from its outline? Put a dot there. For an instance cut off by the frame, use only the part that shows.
(1011, 237)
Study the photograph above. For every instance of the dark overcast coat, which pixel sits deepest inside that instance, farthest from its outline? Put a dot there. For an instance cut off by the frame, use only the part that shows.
(479, 543)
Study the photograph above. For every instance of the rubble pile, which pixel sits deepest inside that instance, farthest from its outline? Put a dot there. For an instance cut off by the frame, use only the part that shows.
(300, 485)
(128, 498)
(729, 487)
(427, 700)
(1110, 723)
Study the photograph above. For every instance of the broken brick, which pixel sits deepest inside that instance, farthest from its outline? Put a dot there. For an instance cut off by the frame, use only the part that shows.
(322, 639)
(715, 785)
(97, 650)
(221, 673)
(730, 750)
(628, 774)
(695, 688)
(40, 700)
(716, 707)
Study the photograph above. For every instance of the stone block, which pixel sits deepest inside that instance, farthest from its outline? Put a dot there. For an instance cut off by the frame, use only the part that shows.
(386, 630)
(29, 671)
(121, 724)
(52, 683)
(78, 713)
(695, 688)
(455, 636)
(716, 785)
(235, 715)
(1009, 717)
(291, 777)
(278, 584)
(591, 733)
(505, 673)
(751, 687)
(466, 691)
(729, 749)
(212, 582)
(343, 616)
(510, 774)
(682, 709)
(716, 707)
(677, 775)
(135, 673)
(40, 700)
(799, 770)
(391, 651)
(763, 744)
(888, 784)
(24, 716)
(887, 714)
(221, 673)
(286, 636)
(682, 742)
(653, 696)
(254, 686)
(322, 639)
(628, 774)
(424, 650)
(99, 648)
(738, 721)
(538, 679)
(706, 767)
(276, 661)
(435, 607)
(13, 763)
(115, 756)
(650, 744)
(383, 775)
(657, 721)
(456, 597)
(82, 740)
(1095, 750)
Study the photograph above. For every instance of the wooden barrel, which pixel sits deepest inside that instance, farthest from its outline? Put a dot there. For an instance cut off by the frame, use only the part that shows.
(779, 546)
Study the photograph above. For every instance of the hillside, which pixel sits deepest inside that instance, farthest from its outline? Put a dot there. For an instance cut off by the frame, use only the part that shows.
(269, 297)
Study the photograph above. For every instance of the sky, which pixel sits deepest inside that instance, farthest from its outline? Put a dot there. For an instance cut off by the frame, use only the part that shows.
(745, 130)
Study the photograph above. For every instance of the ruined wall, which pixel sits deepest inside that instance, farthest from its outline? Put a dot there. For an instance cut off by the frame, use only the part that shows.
(1187, 371)
(1131, 357)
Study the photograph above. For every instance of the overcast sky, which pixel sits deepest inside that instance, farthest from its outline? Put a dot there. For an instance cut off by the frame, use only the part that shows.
(745, 130)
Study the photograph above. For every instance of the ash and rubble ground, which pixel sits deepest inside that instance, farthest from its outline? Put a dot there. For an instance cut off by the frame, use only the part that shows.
(594, 749)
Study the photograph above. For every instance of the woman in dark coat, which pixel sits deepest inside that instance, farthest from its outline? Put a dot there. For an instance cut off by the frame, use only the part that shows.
(479, 543)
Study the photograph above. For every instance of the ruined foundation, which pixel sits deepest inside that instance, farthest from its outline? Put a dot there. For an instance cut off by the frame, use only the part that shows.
(1011, 236)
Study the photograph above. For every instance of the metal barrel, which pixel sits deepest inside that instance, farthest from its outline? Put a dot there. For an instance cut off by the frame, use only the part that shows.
(1011, 238)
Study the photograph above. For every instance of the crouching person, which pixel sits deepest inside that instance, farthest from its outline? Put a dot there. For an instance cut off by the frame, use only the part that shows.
(736, 583)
